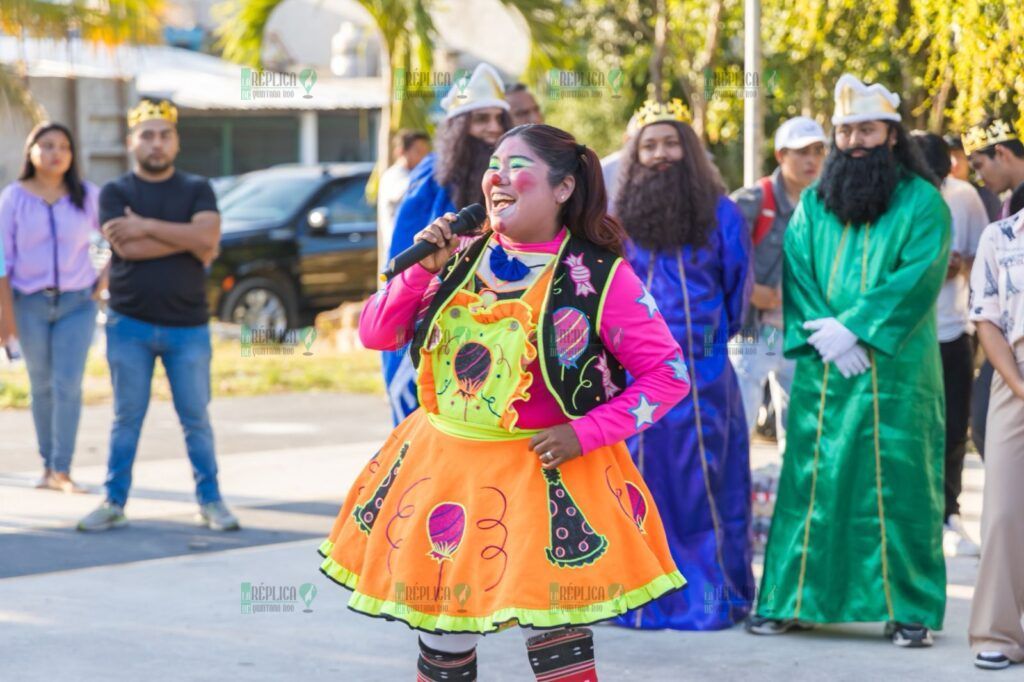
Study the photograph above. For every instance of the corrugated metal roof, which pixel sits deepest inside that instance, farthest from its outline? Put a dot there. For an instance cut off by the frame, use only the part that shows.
(192, 79)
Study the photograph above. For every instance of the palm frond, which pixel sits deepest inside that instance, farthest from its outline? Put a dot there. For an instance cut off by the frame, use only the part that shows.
(15, 96)
(242, 26)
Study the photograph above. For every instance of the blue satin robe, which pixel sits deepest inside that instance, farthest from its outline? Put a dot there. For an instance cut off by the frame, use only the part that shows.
(705, 506)
(424, 202)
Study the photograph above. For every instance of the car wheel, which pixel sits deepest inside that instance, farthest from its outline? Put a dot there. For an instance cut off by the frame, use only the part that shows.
(261, 303)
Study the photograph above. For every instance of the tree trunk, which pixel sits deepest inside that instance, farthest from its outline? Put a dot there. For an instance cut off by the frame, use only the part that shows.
(657, 64)
(705, 59)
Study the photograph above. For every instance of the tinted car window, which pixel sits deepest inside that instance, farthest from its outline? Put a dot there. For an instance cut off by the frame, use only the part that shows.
(347, 204)
(267, 197)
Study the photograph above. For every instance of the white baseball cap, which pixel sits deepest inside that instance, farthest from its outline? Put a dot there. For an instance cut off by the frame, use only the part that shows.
(799, 132)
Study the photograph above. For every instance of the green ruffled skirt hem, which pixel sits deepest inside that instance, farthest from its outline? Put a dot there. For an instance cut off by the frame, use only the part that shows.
(538, 618)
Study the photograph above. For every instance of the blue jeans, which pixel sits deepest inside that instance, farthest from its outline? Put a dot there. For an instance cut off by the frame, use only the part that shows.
(55, 334)
(132, 349)
(764, 362)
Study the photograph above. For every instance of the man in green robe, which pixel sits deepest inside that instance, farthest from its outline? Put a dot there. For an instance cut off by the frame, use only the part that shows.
(857, 529)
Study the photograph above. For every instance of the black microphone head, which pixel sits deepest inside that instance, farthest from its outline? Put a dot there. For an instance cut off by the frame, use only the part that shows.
(473, 215)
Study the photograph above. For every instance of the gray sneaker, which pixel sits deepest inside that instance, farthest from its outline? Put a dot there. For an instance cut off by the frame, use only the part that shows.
(217, 516)
(106, 516)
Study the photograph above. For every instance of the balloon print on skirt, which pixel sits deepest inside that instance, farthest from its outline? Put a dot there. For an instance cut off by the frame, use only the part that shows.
(446, 524)
(638, 504)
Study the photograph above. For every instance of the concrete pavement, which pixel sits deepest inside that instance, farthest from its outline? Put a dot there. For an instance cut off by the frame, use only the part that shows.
(163, 599)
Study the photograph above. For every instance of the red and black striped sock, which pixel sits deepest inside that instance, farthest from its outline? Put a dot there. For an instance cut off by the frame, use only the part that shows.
(440, 666)
(564, 655)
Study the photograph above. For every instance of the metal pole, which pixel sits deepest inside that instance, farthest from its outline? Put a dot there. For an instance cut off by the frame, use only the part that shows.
(309, 137)
(753, 98)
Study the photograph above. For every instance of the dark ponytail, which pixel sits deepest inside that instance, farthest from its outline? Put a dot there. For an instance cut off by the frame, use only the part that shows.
(586, 211)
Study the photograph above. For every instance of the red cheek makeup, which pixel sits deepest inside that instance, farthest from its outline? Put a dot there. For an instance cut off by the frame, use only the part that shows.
(523, 182)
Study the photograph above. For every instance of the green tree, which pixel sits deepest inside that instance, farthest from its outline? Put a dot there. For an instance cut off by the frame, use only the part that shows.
(951, 62)
(108, 22)
(408, 38)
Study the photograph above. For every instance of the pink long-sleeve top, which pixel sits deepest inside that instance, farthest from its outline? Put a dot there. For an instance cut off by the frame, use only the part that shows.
(632, 328)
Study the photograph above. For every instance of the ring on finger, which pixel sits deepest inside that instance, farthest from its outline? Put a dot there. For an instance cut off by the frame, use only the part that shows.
(548, 456)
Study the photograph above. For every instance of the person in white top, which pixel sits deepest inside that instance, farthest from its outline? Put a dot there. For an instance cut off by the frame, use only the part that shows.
(997, 308)
(955, 332)
(409, 148)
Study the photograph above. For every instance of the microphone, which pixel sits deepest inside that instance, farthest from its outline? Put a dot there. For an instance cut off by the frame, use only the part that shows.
(467, 220)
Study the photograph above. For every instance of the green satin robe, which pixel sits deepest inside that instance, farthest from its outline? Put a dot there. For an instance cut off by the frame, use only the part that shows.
(857, 529)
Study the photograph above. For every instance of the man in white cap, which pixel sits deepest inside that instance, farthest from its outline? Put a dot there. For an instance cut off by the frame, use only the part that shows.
(446, 181)
(857, 530)
(768, 205)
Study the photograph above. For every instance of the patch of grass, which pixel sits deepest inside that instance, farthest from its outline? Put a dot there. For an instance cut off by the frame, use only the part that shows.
(265, 371)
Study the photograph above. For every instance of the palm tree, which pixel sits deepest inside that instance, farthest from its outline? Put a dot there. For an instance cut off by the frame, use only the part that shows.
(408, 36)
(108, 22)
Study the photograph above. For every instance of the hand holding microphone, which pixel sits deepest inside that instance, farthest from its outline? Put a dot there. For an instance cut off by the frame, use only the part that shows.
(434, 245)
(439, 233)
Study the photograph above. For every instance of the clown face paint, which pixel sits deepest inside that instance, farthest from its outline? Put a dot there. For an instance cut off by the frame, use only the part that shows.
(521, 205)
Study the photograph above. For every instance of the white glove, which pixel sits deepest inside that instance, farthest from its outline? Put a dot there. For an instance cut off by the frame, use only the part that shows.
(853, 362)
(831, 339)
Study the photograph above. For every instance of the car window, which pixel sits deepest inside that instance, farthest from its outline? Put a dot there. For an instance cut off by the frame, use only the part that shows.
(267, 196)
(347, 203)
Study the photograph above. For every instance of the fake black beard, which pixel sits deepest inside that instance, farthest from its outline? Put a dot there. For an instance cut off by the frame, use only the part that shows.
(657, 208)
(858, 190)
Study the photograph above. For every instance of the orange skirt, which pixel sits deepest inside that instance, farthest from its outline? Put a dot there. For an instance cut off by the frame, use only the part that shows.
(449, 534)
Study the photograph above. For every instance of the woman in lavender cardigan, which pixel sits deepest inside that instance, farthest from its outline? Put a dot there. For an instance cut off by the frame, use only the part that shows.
(46, 220)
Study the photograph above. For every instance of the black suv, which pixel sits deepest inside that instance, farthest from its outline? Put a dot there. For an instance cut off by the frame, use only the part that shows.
(295, 240)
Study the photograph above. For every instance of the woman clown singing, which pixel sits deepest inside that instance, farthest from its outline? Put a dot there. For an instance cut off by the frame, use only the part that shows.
(508, 498)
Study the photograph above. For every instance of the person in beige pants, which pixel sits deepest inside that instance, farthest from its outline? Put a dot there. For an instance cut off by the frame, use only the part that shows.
(997, 307)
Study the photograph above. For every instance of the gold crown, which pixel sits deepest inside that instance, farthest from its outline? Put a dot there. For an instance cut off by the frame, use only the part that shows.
(653, 112)
(979, 137)
(148, 110)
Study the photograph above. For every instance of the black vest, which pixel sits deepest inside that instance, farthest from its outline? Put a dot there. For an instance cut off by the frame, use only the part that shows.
(569, 360)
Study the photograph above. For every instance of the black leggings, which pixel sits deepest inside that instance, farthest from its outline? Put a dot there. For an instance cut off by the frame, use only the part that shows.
(957, 375)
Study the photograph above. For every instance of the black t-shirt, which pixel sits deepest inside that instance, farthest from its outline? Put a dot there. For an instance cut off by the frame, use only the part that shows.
(167, 291)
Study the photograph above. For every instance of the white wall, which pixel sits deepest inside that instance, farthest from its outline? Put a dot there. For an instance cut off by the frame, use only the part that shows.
(98, 124)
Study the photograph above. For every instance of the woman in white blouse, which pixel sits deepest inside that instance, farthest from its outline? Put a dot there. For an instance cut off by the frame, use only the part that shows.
(997, 309)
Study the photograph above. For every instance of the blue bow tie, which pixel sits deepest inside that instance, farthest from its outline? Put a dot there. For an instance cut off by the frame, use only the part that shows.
(507, 267)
